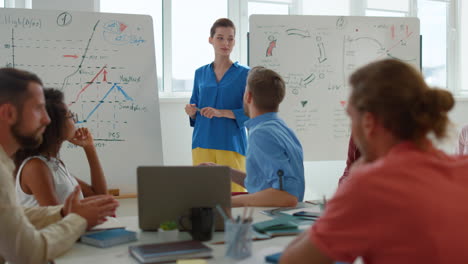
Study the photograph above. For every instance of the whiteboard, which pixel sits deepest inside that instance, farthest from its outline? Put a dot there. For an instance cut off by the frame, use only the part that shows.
(316, 55)
(105, 65)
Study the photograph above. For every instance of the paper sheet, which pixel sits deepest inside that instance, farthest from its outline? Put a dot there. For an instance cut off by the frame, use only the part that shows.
(313, 209)
(111, 223)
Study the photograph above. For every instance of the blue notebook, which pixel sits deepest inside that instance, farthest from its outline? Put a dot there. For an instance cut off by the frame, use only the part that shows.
(108, 238)
(273, 258)
(279, 223)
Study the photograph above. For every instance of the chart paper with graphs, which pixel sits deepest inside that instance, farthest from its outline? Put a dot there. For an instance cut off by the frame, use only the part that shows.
(105, 65)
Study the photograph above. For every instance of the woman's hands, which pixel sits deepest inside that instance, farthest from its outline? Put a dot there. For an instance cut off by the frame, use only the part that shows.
(191, 110)
(208, 112)
(83, 138)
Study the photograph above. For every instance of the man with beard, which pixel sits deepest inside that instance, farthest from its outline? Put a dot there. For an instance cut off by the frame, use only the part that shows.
(35, 235)
(274, 160)
(405, 202)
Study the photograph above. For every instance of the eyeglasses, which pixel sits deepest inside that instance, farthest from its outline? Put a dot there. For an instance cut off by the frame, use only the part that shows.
(73, 116)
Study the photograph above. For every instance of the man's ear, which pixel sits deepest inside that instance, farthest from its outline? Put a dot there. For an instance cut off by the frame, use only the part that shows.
(369, 123)
(248, 97)
(8, 113)
(210, 40)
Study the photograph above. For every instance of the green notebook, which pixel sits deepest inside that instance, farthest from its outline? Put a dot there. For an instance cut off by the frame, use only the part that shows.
(279, 223)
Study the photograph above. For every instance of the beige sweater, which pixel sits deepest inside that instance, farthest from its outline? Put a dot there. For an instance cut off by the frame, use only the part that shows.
(32, 235)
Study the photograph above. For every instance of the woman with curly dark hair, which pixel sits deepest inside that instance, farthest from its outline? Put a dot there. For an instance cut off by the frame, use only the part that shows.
(42, 179)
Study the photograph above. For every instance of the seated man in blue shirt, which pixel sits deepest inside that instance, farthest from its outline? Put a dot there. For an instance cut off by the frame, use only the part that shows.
(274, 160)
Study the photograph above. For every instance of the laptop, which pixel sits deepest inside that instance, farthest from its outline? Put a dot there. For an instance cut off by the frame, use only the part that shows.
(165, 193)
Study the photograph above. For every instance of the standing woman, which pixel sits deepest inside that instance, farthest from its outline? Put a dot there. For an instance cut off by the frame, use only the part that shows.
(42, 179)
(216, 107)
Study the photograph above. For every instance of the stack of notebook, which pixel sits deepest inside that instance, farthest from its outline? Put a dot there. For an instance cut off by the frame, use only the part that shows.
(108, 238)
(167, 252)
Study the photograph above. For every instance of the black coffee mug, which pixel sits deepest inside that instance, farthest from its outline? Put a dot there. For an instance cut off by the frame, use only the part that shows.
(202, 220)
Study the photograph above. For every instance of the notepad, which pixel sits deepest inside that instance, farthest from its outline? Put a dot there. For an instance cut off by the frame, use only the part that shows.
(167, 252)
(279, 223)
(108, 238)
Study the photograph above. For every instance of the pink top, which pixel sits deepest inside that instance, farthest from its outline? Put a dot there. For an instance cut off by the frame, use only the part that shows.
(462, 148)
(353, 155)
(407, 207)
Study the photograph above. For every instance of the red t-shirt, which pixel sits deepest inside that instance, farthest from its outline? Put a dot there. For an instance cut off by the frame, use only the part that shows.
(407, 207)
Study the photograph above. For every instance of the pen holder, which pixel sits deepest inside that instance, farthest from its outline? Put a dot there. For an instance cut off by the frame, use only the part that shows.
(238, 238)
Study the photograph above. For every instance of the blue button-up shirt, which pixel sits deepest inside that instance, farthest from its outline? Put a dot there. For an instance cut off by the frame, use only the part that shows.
(228, 93)
(274, 157)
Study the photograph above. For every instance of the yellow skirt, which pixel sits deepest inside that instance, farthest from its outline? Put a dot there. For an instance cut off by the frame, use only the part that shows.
(221, 157)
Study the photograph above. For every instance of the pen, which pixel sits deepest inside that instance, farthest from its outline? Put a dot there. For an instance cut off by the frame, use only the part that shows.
(222, 213)
(249, 218)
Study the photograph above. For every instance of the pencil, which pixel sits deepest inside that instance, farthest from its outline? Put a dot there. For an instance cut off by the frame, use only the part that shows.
(222, 213)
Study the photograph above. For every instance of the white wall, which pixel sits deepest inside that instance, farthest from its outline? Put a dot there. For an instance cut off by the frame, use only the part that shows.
(321, 177)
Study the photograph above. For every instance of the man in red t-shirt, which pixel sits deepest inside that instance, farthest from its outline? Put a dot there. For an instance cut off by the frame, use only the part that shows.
(405, 202)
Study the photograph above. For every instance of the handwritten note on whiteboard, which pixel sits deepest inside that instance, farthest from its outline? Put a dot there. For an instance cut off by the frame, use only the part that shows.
(316, 55)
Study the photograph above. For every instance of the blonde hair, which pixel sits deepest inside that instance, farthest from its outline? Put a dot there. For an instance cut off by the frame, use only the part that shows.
(267, 88)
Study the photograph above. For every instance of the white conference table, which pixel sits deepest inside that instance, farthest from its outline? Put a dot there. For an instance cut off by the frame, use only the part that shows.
(81, 253)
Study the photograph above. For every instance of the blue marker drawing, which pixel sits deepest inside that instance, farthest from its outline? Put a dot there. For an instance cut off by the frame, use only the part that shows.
(115, 86)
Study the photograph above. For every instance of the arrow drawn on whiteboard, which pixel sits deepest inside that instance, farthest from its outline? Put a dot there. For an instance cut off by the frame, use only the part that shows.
(322, 57)
(298, 32)
(71, 56)
(105, 75)
(271, 46)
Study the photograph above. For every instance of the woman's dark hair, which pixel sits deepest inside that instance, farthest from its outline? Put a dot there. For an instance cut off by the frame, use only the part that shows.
(53, 135)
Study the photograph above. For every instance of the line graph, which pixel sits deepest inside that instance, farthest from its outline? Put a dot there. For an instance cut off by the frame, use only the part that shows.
(115, 86)
(65, 81)
(105, 65)
(102, 84)
(13, 46)
(103, 69)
